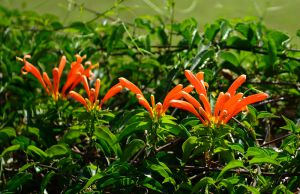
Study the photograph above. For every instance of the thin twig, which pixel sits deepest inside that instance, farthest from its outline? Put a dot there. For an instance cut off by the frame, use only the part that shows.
(296, 84)
(168, 144)
(46, 166)
(134, 160)
(276, 140)
(238, 171)
(272, 100)
(263, 52)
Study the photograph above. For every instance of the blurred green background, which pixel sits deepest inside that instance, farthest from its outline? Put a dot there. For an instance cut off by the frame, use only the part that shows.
(282, 15)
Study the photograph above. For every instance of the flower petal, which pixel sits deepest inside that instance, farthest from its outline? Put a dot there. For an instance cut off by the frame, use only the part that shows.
(171, 95)
(97, 88)
(206, 104)
(55, 74)
(236, 84)
(86, 86)
(145, 103)
(111, 92)
(129, 85)
(239, 106)
(78, 98)
(191, 100)
(185, 106)
(29, 68)
(188, 88)
(61, 66)
(158, 109)
(195, 82)
(47, 81)
(222, 99)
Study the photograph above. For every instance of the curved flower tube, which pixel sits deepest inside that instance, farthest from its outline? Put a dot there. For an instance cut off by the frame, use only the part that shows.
(227, 105)
(156, 110)
(52, 88)
(92, 102)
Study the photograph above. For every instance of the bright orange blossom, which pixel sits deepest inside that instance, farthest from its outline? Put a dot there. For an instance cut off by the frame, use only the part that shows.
(92, 101)
(73, 78)
(227, 105)
(159, 109)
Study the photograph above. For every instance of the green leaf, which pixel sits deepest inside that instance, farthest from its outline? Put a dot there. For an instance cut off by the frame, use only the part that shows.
(175, 129)
(282, 189)
(26, 166)
(290, 125)
(202, 184)
(237, 147)
(92, 180)
(152, 184)
(188, 146)
(238, 43)
(104, 134)
(232, 164)
(6, 134)
(37, 151)
(259, 160)
(265, 114)
(164, 172)
(18, 180)
(211, 31)
(57, 151)
(10, 149)
(279, 38)
(136, 127)
(251, 189)
(132, 148)
(46, 180)
(261, 152)
(272, 51)
(34, 131)
(73, 136)
(230, 57)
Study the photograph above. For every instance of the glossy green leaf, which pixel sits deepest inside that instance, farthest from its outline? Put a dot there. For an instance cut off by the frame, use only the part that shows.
(132, 148)
(17, 181)
(230, 57)
(264, 114)
(231, 165)
(259, 160)
(57, 151)
(37, 151)
(137, 127)
(106, 135)
(10, 149)
(92, 180)
(188, 146)
(204, 182)
(46, 180)
(290, 125)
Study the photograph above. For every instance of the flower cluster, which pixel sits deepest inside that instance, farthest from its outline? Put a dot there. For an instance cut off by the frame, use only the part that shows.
(159, 109)
(228, 104)
(92, 101)
(52, 88)
(76, 74)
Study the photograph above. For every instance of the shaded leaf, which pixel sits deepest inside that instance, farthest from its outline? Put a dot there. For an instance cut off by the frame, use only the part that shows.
(231, 165)
(132, 148)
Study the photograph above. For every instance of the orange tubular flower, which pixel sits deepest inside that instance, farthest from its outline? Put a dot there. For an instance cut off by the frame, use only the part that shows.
(159, 109)
(73, 79)
(227, 105)
(92, 101)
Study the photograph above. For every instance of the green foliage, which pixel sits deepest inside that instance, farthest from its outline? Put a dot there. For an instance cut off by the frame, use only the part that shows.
(49, 146)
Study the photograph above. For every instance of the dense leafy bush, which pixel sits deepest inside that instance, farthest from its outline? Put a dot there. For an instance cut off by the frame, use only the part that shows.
(50, 143)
